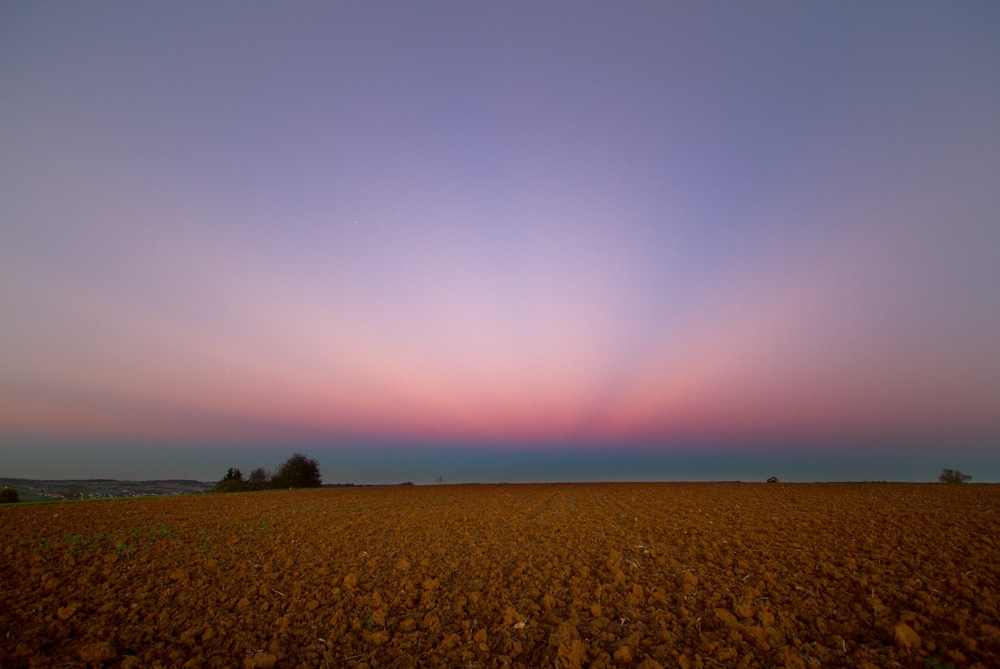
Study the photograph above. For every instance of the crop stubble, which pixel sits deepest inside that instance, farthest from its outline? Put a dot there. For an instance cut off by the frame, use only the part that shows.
(569, 575)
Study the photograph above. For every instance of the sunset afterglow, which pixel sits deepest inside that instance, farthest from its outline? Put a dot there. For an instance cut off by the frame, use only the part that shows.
(500, 228)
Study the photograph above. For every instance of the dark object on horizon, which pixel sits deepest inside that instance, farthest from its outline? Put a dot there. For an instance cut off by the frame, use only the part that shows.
(259, 479)
(773, 479)
(953, 476)
(232, 482)
(297, 472)
(9, 495)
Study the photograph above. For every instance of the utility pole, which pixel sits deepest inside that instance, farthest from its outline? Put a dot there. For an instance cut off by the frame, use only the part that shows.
(439, 480)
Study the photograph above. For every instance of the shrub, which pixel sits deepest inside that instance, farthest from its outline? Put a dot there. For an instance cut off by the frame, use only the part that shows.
(9, 496)
(953, 476)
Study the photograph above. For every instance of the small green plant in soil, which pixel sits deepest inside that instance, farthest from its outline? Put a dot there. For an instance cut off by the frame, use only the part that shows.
(932, 663)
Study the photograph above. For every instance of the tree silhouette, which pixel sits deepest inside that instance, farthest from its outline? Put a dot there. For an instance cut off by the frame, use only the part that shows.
(259, 479)
(297, 472)
(232, 482)
(953, 476)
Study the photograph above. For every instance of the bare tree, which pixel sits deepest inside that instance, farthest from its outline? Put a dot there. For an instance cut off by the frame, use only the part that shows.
(259, 479)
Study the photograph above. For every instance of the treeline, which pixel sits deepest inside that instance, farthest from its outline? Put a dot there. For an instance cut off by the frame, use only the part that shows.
(297, 472)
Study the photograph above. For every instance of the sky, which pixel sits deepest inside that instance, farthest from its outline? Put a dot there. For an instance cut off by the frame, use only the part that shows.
(500, 241)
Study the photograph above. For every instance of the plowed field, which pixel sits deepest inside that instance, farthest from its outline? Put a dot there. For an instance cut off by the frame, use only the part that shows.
(587, 575)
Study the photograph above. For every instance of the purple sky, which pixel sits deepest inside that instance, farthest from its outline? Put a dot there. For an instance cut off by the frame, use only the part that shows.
(503, 229)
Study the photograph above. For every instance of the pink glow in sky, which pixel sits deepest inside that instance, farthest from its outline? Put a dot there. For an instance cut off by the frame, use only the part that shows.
(584, 225)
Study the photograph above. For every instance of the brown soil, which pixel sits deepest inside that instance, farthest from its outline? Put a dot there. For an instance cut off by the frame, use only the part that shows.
(589, 575)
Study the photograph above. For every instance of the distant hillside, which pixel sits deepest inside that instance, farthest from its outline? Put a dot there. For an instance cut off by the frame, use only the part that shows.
(31, 490)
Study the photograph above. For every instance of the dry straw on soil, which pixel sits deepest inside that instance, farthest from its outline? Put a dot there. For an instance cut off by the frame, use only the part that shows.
(613, 575)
